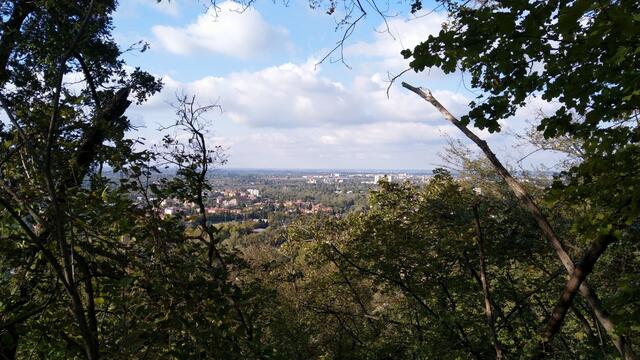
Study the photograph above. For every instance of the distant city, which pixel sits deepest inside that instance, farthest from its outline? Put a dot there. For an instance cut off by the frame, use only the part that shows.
(258, 194)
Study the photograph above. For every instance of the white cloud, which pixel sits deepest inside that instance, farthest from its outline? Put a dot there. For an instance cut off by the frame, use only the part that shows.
(226, 30)
(297, 95)
(382, 53)
(293, 116)
(401, 34)
(386, 133)
(378, 145)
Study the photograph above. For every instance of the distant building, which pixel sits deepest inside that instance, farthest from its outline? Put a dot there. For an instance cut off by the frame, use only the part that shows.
(230, 193)
(215, 210)
(230, 203)
(254, 192)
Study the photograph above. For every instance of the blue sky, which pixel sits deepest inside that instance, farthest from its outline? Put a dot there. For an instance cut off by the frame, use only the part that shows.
(283, 110)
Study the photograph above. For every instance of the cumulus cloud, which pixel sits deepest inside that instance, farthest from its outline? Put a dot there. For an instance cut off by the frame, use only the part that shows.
(297, 95)
(401, 34)
(394, 36)
(386, 145)
(386, 133)
(224, 30)
(292, 115)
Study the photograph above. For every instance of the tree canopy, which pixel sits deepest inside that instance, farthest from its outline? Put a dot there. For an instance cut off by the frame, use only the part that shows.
(456, 268)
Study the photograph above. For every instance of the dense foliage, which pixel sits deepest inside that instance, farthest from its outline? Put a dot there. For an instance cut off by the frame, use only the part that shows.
(452, 269)
(402, 280)
(85, 271)
(583, 56)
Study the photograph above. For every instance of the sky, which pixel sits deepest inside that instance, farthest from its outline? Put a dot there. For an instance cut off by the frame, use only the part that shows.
(281, 107)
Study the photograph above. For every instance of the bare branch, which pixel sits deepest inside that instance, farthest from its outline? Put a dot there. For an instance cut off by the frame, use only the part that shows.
(89, 78)
(393, 78)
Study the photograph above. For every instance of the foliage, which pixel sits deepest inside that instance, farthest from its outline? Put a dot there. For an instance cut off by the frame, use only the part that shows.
(86, 271)
(401, 280)
(583, 55)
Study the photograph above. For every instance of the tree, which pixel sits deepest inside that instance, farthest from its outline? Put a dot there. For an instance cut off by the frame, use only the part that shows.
(54, 141)
(579, 53)
(408, 277)
(73, 242)
(572, 52)
(193, 162)
(90, 268)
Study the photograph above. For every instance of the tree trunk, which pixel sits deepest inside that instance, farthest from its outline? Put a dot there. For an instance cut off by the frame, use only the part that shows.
(580, 273)
(488, 307)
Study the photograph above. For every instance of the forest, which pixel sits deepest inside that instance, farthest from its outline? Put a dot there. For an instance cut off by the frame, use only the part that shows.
(481, 262)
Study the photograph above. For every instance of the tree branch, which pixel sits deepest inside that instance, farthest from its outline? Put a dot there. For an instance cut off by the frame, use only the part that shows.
(488, 305)
(580, 273)
(543, 224)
